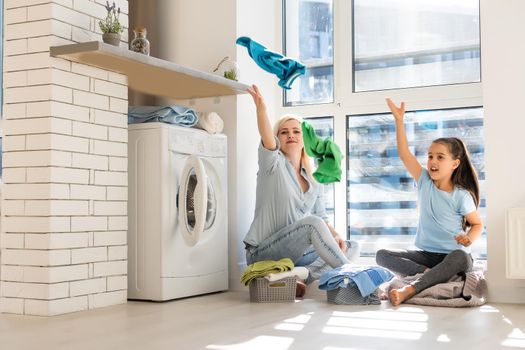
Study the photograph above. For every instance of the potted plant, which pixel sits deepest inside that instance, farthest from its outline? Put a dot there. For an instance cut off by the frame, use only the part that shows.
(111, 27)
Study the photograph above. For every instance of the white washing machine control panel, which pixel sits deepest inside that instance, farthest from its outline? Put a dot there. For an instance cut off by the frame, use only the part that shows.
(198, 143)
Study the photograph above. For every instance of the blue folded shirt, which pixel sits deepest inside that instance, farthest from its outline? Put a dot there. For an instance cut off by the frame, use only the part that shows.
(367, 279)
(172, 114)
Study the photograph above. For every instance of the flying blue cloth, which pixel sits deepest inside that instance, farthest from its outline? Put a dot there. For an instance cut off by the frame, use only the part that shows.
(286, 69)
(367, 279)
(326, 152)
(172, 114)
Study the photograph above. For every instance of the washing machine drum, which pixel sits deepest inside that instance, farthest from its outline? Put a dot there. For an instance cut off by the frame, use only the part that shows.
(211, 206)
(197, 201)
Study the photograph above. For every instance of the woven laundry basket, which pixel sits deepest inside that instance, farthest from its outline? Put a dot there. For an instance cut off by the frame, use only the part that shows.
(264, 291)
(351, 296)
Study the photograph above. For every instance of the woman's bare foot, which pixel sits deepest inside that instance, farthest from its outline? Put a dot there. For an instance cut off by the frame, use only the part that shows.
(300, 289)
(399, 295)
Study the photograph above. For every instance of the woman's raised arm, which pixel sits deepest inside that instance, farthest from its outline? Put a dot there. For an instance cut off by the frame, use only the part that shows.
(263, 123)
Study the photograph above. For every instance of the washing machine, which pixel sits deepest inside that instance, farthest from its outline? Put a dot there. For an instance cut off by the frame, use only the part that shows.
(177, 212)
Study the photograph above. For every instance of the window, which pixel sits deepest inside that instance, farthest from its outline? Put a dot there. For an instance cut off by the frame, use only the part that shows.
(324, 127)
(424, 52)
(381, 194)
(402, 43)
(309, 27)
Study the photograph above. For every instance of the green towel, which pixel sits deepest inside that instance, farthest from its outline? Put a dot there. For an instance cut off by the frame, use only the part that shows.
(265, 267)
(326, 152)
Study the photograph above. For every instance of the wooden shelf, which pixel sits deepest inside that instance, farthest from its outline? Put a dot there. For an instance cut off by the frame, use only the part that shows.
(148, 74)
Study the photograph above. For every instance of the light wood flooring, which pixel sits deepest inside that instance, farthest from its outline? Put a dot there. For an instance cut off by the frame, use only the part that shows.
(229, 321)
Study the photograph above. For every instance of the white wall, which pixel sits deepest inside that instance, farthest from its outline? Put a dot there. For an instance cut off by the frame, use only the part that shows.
(503, 74)
(255, 19)
(199, 34)
(204, 31)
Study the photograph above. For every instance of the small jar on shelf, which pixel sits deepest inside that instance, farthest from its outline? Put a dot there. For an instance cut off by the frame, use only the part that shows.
(140, 43)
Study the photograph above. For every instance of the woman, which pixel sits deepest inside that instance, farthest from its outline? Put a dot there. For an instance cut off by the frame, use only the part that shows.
(290, 219)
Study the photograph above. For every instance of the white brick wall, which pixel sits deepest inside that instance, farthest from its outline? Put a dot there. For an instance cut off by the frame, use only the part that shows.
(64, 206)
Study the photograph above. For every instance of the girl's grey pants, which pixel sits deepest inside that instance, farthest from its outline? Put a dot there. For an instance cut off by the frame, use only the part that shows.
(410, 262)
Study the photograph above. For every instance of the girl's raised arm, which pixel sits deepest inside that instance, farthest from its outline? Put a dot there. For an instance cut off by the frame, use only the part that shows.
(409, 160)
(263, 123)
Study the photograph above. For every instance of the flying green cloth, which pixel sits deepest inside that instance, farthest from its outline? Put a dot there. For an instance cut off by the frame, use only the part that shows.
(327, 154)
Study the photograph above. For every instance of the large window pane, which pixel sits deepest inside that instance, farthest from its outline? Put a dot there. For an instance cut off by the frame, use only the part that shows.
(324, 127)
(309, 38)
(381, 194)
(405, 43)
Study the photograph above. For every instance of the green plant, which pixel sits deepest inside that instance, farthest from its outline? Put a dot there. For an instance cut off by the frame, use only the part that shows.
(230, 74)
(111, 24)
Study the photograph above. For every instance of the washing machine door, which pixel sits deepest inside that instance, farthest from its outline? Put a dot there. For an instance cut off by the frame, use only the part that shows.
(197, 203)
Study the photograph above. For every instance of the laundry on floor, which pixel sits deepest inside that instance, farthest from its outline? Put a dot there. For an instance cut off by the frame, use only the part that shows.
(366, 278)
(300, 272)
(350, 295)
(265, 267)
(469, 289)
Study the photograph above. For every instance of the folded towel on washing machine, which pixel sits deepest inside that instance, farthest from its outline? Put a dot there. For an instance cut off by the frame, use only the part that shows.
(171, 114)
(210, 121)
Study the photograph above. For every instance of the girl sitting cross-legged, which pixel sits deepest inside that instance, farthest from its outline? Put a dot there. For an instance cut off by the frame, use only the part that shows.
(449, 221)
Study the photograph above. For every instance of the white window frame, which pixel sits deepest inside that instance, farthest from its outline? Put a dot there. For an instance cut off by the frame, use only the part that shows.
(347, 102)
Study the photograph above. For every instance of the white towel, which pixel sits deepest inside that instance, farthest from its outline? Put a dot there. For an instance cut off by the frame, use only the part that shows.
(300, 271)
(210, 121)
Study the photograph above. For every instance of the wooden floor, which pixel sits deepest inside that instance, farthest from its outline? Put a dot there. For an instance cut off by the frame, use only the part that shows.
(229, 321)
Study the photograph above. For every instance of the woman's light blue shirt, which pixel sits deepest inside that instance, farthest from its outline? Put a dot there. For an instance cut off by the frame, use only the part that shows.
(441, 215)
(280, 200)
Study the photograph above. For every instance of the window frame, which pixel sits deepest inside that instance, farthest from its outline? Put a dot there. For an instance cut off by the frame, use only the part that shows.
(283, 45)
(346, 102)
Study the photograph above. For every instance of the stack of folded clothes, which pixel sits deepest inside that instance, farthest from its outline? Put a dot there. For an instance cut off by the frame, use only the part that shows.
(273, 270)
(274, 281)
(171, 114)
(355, 285)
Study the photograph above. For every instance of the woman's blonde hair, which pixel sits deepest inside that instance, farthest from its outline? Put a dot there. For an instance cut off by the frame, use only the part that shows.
(306, 161)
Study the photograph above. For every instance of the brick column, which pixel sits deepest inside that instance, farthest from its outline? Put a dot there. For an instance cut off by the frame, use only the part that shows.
(64, 206)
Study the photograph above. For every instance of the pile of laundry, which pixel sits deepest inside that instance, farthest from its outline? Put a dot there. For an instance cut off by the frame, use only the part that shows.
(273, 271)
(354, 285)
(468, 289)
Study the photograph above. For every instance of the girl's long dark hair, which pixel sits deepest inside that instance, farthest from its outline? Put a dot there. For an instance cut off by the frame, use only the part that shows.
(464, 175)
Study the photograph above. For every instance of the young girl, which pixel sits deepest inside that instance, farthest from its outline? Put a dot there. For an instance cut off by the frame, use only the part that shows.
(449, 222)
(290, 219)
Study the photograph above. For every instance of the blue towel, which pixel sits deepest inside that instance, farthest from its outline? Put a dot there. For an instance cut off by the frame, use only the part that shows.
(286, 69)
(367, 279)
(172, 114)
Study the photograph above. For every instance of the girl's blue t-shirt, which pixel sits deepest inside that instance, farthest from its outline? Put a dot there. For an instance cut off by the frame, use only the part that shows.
(441, 215)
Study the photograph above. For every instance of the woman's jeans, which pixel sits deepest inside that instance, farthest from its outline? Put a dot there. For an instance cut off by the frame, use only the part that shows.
(295, 241)
(410, 262)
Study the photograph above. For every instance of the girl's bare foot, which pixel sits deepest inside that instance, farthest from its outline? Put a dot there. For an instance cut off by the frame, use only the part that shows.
(399, 295)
